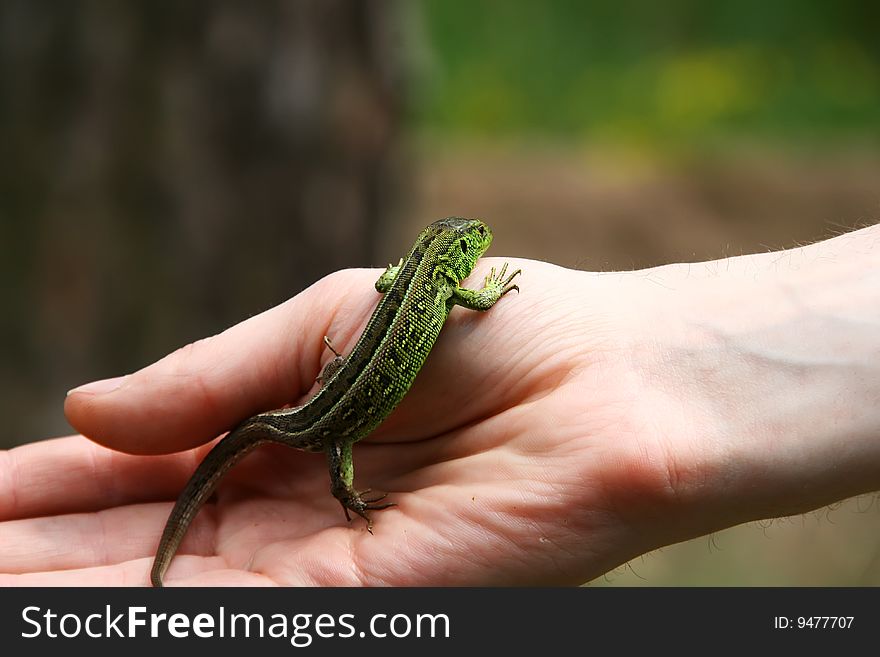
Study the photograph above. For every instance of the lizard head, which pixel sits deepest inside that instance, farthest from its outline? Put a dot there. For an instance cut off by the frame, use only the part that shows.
(462, 242)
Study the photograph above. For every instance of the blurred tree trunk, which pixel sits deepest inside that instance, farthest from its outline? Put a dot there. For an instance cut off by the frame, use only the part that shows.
(169, 168)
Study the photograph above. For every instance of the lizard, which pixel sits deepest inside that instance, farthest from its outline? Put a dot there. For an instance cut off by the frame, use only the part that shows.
(358, 392)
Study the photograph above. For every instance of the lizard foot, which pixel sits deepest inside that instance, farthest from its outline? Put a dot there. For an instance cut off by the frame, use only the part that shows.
(353, 501)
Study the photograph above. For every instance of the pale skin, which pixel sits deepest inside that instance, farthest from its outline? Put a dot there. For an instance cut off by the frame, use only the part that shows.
(585, 421)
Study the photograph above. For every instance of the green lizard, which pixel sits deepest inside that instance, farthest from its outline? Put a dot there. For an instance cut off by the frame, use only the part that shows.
(360, 391)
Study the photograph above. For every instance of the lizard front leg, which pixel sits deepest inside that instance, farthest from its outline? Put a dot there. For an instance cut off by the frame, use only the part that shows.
(494, 287)
(383, 283)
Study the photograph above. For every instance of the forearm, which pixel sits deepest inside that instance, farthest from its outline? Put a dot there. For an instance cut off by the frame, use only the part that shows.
(776, 359)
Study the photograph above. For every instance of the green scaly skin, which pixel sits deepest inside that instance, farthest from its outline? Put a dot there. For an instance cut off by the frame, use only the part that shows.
(360, 391)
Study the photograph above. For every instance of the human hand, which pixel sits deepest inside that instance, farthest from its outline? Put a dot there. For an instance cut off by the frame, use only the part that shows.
(572, 427)
(446, 457)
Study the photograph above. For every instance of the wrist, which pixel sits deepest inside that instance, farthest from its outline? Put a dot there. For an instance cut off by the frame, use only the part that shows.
(771, 362)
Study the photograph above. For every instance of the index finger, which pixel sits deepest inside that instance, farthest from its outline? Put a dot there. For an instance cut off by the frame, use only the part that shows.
(192, 395)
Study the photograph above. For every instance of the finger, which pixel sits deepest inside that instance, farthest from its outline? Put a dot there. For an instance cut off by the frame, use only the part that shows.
(199, 571)
(87, 540)
(205, 572)
(129, 573)
(199, 391)
(68, 475)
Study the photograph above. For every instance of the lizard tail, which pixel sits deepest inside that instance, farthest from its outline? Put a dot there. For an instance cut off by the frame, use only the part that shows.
(239, 442)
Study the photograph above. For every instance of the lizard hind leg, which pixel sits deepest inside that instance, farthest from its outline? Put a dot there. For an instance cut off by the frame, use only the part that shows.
(339, 459)
(332, 366)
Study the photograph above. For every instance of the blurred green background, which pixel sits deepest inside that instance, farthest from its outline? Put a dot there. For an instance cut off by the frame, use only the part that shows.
(168, 169)
(675, 75)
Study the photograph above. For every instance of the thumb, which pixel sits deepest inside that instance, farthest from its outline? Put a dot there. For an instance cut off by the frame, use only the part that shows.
(203, 389)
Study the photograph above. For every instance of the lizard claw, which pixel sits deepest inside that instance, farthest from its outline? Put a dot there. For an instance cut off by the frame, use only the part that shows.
(360, 505)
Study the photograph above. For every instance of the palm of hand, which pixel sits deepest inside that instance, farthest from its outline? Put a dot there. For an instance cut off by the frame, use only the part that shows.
(502, 459)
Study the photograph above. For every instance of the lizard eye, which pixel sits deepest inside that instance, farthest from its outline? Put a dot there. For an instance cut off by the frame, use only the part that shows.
(464, 246)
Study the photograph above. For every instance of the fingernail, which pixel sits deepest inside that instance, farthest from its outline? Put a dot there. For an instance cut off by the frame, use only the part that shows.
(99, 387)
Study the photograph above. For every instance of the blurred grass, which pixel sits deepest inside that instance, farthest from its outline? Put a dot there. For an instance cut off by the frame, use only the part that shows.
(680, 73)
